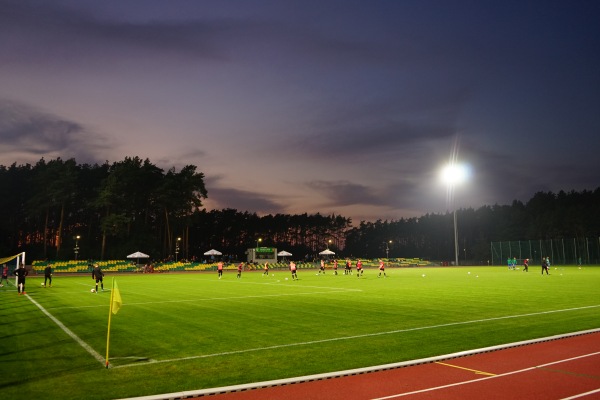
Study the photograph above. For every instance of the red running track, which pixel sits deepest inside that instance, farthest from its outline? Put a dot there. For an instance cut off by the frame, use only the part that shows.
(567, 368)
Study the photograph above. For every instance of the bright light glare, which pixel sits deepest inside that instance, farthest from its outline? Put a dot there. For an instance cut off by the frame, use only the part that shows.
(453, 174)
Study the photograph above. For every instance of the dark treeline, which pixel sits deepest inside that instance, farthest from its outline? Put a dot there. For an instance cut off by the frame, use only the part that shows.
(132, 205)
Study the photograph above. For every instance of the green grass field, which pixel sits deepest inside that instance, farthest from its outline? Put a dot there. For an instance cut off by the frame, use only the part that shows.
(192, 331)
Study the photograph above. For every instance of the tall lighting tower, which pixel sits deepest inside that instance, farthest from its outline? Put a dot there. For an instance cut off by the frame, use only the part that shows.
(454, 174)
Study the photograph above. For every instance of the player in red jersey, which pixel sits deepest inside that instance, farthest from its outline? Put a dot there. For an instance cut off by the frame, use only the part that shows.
(4, 275)
(293, 269)
(381, 269)
(359, 269)
(322, 269)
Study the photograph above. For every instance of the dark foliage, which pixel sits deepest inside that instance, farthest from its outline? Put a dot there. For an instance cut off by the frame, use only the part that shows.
(132, 205)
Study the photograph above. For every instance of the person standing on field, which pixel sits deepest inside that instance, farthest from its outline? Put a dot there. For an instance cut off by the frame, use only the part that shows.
(335, 266)
(48, 275)
(21, 273)
(240, 268)
(293, 269)
(348, 267)
(322, 269)
(526, 265)
(98, 275)
(4, 275)
(381, 269)
(544, 266)
(359, 269)
(220, 269)
(266, 269)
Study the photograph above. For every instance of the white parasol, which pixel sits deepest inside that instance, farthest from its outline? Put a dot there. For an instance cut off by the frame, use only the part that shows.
(138, 255)
(284, 253)
(327, 252)
(213, 252)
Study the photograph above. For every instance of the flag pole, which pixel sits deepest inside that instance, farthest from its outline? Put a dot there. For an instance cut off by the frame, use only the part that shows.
(112, 293)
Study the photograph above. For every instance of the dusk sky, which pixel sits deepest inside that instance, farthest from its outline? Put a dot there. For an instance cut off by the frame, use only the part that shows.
(345, 107)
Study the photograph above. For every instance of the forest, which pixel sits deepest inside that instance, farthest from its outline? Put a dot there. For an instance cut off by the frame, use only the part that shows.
(62, 210)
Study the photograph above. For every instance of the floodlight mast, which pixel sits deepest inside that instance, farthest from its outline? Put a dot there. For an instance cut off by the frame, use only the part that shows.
(454, 174)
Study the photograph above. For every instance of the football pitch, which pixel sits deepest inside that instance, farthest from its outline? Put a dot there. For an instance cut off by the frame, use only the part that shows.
(192, 331)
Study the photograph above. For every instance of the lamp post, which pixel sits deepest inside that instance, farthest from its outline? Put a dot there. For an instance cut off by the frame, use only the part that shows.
(258, 241)
(387, 249)
(76, 249)
(454, 174)
(177, 248)
(328, 244)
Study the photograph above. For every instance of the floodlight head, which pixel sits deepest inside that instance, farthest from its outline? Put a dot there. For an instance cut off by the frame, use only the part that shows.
(453, 174)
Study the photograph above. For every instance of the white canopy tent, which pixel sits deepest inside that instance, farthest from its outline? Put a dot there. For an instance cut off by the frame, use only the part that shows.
(213, 252)
(284, 254)
(327, 252)
(137, 255)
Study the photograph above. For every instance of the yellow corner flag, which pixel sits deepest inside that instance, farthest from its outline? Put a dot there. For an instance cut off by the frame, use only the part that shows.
(115, 304)
(116, 299)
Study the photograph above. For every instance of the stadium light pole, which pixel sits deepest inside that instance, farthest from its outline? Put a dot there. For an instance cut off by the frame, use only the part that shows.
(177, 248)
(77, 246)
(387, 249)
(454, 174)
(255, 257)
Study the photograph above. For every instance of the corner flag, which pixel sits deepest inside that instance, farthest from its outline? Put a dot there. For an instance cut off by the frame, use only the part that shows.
(115, 304)
(116, 299)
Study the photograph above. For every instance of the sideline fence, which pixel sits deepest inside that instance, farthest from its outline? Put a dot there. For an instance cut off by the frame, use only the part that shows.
(575, 251)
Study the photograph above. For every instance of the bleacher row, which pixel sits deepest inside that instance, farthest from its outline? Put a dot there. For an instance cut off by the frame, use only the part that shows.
(82, 266)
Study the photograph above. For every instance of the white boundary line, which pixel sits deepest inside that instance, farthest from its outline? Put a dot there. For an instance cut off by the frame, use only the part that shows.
(76, 338)
(582, 394)
(338, 374)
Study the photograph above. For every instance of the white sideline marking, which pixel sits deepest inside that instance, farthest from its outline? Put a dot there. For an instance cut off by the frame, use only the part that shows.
(83, 344)
(582, 394)
(280, 346)
(486, 378)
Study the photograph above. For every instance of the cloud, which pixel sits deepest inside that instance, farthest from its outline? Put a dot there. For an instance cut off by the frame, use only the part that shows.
(57, 34)
(344, 193)
(28, 134)
(242, 200)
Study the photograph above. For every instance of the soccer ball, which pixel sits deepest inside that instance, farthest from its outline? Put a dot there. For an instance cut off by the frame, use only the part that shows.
(286, 279)
(93, 290)
(42, 283)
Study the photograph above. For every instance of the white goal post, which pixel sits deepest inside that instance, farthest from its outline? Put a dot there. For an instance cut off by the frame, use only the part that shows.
(20, 259)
